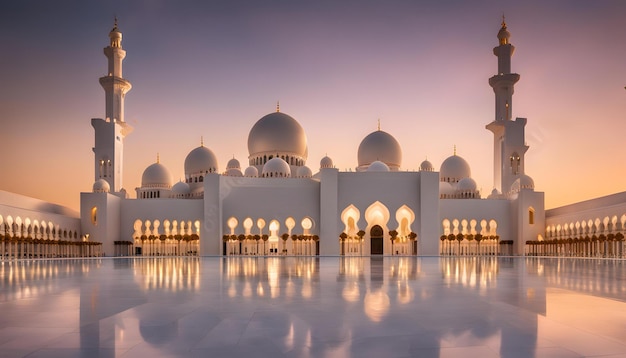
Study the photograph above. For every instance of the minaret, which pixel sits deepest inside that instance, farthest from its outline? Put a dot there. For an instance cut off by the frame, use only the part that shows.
(503, 83)
(111, 131)
(509, 143)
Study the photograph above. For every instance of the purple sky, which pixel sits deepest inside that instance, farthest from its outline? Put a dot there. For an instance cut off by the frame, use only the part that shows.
(214, 68)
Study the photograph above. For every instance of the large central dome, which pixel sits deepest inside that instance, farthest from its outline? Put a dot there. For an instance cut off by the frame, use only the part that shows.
(277, 133)
(380, 146)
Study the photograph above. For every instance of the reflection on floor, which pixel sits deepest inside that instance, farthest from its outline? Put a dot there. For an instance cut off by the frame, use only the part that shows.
(313, 307)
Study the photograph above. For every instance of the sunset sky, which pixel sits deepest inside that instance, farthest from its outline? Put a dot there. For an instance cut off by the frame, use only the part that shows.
(213, 68)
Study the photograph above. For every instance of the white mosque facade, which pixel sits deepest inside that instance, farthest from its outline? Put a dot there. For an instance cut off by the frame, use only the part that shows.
(278, 203)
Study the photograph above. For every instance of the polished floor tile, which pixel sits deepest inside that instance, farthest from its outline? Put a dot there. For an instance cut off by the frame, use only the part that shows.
(313, 307)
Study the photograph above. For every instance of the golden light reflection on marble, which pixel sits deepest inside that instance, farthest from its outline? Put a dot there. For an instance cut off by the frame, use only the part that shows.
(172, 274)
(351, 292)
(28, 278)
(274, 276)
(474, 271)
(376, 305)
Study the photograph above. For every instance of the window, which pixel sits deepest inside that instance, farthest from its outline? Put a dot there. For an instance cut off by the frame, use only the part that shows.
(531, 216)
(94, 216)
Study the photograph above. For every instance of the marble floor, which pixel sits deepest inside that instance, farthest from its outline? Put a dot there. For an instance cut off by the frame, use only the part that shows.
(313, 307)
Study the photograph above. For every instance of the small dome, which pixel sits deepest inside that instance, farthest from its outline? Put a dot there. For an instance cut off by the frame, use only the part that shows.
(504, 35)
(453, 169)
(276, 167)
(101, 186)
(326, 162)
(380, 146)
(446, 190)
(523, 181)
(251, 172)
(495, 194)
(304, 172)
(156, 176)
(180, 189)
(233, 164)
(277, 133)
(233, 172)
(426, 166)
(466, 184)
(378, 166)
(201, 160)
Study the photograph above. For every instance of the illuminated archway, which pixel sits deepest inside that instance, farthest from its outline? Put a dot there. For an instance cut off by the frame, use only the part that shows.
(405, 244)
(377, 214)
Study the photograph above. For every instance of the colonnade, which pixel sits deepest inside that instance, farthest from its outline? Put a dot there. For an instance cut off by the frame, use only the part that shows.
(12, 247)
(460, 244)
(607, 246)
(296, 245)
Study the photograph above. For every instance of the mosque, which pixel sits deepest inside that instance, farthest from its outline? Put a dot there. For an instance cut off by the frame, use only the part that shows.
(280, 204)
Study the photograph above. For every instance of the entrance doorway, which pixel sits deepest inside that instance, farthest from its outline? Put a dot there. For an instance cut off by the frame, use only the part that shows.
(376, 240)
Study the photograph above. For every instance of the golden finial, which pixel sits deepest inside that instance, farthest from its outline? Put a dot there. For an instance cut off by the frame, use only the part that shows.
(158, 158)
(455, 149)
(277, 106)
(201, 141)
(503, 22)
(378, 123)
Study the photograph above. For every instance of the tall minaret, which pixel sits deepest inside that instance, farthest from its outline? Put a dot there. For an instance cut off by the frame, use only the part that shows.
(111, 131)
(509, 143)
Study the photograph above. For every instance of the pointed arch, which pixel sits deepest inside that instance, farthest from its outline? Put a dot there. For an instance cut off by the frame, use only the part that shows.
(350, 217)
(405, 217)
(377, 214)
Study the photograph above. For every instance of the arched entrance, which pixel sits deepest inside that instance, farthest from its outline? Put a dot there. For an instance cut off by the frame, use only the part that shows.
(376, 240)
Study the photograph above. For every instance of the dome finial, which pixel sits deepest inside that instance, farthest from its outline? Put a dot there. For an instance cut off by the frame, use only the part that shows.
(158, 158)
(455, 149)
(503, 34)
(277, 106)
(378, 123)
(202, 141)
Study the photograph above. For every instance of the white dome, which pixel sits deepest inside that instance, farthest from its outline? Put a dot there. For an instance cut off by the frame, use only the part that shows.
(446, 189)
(466, 184)
(378, 166)
(251, 172)
(101, 186)
(180, 189)
(233, 164)
(454, 168)
(156, 176)
(326, 162)
(304, 172)
(380, 146)
(495, 194)
(277, 133)
(276, 167)
(233, 172)
(522, 182)
(200, 161)
(426, 166)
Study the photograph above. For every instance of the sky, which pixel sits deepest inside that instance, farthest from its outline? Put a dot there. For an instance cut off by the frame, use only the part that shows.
(211, 69)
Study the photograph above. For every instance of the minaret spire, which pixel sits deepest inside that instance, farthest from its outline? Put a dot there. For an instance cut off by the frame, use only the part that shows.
(503, 82)
(114, 84)
(111, 131)
(509, 144)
